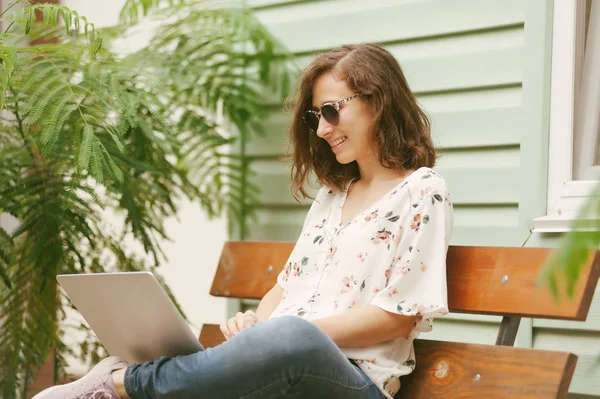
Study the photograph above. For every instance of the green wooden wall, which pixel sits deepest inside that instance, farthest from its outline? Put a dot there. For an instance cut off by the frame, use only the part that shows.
(466, 60)
(481, 68)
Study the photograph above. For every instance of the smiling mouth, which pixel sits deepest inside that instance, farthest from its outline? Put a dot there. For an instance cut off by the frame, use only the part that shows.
(338, 142)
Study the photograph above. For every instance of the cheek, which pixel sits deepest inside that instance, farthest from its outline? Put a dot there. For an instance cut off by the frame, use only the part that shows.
(357, 124)
(361, 131)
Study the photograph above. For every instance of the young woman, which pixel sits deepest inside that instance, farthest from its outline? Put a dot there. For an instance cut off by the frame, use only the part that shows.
(367, 274)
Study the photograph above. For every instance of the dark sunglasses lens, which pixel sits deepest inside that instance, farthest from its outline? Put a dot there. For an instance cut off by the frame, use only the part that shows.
(330, 114)
(311, 121)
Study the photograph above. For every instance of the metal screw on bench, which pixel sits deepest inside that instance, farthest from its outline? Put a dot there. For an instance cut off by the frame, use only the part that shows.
(504, 279)
(477, 377)
(269, 269)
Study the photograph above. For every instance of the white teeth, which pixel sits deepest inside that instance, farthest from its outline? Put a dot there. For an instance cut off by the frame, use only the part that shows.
(338, 142)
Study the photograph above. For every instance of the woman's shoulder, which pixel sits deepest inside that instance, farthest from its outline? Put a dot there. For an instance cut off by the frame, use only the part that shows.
(425, 181)
(324, 195)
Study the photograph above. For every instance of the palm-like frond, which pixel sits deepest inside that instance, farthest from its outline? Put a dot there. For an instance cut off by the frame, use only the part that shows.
(6, 255)
(73, 23)
(225, 63)
(52, 87)
(84, 131)
(8, 53)
(134, 9)
(27, 18)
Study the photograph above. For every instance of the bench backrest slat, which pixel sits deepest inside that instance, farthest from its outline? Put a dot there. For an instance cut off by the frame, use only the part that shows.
(481, 280)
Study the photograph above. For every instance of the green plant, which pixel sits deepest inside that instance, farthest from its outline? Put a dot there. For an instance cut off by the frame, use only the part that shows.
(84, 130)
(566, 261)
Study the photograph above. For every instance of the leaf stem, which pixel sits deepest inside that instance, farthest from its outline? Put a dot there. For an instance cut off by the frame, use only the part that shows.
(9, 26)
(22, 132)
(14, 3)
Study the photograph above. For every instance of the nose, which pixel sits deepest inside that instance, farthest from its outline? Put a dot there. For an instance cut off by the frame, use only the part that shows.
(324, 128)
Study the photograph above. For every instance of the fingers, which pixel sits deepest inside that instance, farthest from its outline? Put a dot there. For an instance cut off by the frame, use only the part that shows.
(249, 318)
(238, 323)
(225, 331)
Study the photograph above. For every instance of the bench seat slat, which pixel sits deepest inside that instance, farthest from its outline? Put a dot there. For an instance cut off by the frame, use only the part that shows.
(481, 280)
(448, 370)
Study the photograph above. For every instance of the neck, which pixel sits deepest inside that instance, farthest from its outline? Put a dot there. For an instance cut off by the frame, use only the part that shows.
(374, 173)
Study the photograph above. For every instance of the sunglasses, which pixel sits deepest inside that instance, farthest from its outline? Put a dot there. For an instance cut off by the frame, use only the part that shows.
(329, 111)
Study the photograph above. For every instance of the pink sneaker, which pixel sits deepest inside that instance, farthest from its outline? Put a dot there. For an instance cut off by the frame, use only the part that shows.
(94, 385)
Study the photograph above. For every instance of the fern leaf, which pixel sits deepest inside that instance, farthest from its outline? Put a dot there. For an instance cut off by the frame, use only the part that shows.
(130, 13)
(114, 134)
(29, 20)
(8, 54)
(6, 255)
(49, 12)
(38, 110)
(52, 129)
(116, 171)
(36, 71)
(96, 161)
(41, 89)
(87, 146)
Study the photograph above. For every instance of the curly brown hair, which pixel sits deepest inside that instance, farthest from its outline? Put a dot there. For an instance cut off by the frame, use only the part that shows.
(401, 128)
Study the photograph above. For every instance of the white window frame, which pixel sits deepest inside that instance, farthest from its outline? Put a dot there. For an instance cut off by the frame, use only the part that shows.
(565, 194)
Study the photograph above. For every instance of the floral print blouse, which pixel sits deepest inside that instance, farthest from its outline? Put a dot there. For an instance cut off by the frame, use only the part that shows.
(392, 255)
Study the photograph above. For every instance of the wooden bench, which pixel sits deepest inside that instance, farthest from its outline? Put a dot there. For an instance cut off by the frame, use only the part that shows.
(481, 280)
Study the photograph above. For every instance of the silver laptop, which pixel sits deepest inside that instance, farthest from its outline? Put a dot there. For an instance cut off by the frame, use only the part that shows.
(131, 314)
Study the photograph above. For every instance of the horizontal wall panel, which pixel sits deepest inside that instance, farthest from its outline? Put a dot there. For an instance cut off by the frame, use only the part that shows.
(462, 129)
(586, 379)
(453, 330)
(274, 142)
(579, 396)
(270, 3)
(487, 235)
(473, 317)
(459, 71)
(484, 157)
(302, 7)
(333, 24)
(277, 191)
(480, 128)
(497, 216)
(584, 344)
(464, 71)
(465, 184)
(473, 42)
(472, 100)
(285, 224)
(277, 224)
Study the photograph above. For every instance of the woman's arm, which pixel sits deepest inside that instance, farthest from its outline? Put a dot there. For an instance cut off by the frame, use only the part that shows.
(365, 326)
(269, 302)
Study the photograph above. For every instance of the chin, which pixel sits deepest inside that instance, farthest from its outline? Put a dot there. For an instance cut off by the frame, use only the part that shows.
(344, 159)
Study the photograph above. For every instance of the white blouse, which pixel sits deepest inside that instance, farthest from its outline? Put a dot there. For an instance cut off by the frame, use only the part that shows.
(392, 255)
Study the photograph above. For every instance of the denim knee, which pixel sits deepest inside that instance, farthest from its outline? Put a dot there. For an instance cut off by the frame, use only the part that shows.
(291, 338)
(294, 327)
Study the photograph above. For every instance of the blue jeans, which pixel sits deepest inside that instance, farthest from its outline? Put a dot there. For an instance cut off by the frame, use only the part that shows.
(285, 357)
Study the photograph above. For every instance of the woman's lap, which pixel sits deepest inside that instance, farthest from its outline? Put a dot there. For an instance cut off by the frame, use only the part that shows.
(287, 357)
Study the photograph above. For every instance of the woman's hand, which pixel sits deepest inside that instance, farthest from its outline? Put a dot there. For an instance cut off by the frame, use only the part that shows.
(237, 323)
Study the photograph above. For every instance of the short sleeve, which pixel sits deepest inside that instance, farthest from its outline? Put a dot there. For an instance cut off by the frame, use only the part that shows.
(285, 272)
(416, 284)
